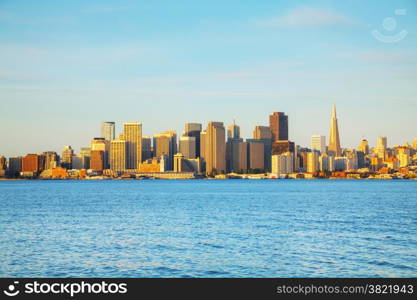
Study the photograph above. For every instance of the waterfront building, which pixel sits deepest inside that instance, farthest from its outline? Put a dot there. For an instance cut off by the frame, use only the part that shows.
(132, 135)
(236, 155)
(194, 130)
(154, 165)
(376, 163)
(381, 147)
(312, 162)
(256, 152)
(334, 141)
(85, 153)
(77, 162)
(51, 160)
(108, 130)
(97, 160)
(188, 146)
(264, 134)
(166, 144)
(215, 148)
(340, 163)
(30, 163)
(118, 155)
(15, 166)
(66, 157)
(278, 122)
(233, 131)
(403, 159)
(101, 144)
(326, 163)
(282, 164)
(364, 147)
(146, 148)
(318, 143)
(182, 164)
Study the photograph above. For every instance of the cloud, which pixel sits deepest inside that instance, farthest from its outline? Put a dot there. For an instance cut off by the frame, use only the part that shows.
(305, 16)
(96, 9)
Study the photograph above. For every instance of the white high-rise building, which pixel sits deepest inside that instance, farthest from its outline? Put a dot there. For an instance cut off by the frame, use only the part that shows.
(107, 130)
(188, 146)
(318, 143)
(381, 146)
(282, 163)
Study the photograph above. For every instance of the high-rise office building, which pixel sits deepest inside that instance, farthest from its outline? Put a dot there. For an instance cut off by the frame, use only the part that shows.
(97, 160)
(77, 162)
(215, 148)
(51, 160)
(278, 122)
(108, 130)
(15, 166)
(326, 163)
(66, 157)
(194, 130)
(364, 147)
(132, 134)
(85, 153)
(264, 134)
(282, 164)
(256, 152)
(118, 155)
(30, 163)
(318, 143)
(381, 147)
(146, 148)
(312, 162)
(101, 144)
(166, 144)
(236, 155)
(188, 147)
(233, 131)
(334, 141)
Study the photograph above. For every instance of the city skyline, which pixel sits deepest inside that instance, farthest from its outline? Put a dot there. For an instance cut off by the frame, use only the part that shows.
(116, 133)
(75, 65)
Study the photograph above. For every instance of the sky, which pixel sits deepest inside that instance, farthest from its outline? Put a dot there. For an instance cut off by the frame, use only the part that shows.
(66, 66)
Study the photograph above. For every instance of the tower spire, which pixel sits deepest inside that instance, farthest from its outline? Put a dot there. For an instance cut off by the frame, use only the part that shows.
(334, 141)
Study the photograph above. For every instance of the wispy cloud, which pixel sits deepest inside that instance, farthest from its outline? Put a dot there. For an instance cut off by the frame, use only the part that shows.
(95, 9)
(17, 19)
(305, 16)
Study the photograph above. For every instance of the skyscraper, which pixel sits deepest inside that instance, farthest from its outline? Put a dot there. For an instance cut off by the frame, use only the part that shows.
(381, 146)
(118, 155)
(364, 147)
(146, 148)
(318, 143)
(101, 144)
(256, 154)
(334, 142)
(188, 146)
(166, 144)
(194, 130)
(233, 131)
(236, 155)
(264, 134)
(66, 158)
(107, 130)
(278, 122)
(312, 162)
(132, 134)
(97, 160)
(215, 148)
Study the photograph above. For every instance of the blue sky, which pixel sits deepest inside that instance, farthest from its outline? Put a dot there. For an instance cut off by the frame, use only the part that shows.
(65, 66)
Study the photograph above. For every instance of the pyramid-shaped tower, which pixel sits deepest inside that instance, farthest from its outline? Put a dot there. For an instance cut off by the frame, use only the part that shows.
(334, 141)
